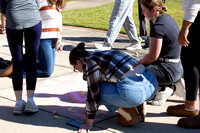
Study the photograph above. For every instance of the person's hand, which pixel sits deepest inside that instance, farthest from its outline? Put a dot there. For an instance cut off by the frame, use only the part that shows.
(60, 48)
(86, 127)
(182, 37)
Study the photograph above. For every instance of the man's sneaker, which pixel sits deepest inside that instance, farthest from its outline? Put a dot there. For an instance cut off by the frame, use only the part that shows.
(141, 39)
(31, 107)
(19, 109)
(134, 46)
(180, 88)
(162, 96)
(103, 46)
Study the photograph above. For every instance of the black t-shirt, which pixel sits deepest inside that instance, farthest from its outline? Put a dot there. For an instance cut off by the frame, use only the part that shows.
(166, 28)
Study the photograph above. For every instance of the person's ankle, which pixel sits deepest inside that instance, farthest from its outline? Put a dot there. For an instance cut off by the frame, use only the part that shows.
(20, 102)
(191, 105)
(30, 100)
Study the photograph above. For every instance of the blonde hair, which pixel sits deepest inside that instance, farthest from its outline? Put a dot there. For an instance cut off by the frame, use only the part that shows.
(59, 3)
(157, 4)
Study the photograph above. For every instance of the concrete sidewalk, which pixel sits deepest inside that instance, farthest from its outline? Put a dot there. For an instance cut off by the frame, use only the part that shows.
(50, 95)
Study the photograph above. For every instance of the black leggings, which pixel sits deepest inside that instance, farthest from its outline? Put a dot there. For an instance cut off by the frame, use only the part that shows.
(191, 62)
(15, 40)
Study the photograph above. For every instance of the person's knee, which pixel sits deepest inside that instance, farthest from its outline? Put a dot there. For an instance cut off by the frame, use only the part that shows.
(47, 74)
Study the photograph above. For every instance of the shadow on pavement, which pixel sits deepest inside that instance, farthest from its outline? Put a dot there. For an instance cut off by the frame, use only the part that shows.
(91, 39)
(66, 97)
(38, 119)
(70, 47)
(42, 118)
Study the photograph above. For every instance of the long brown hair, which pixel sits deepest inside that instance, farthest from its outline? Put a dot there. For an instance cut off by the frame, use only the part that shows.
(59, 3)
(157, 4)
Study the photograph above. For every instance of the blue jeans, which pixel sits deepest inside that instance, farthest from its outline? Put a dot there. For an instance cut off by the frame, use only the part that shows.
(46, 56)
(122, 16)
(128, 91)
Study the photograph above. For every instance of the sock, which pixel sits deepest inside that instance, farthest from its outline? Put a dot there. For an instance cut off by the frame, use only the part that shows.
(30, 100)
(20, 102)
(126, 115)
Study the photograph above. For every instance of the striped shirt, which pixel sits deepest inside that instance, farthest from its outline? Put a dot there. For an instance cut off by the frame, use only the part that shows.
(51, 21)
(101, 66)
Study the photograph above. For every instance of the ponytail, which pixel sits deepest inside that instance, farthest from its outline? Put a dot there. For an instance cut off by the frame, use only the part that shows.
(77, 53)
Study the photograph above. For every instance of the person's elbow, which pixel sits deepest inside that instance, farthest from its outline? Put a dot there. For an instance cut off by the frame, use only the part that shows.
(152, 58)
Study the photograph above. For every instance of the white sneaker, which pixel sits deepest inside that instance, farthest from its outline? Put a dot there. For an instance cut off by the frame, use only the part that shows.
(141, 39)
(180, 88)
(31, 107)
(103, 46)
(162, 96)
(134, 46)
(19, 108)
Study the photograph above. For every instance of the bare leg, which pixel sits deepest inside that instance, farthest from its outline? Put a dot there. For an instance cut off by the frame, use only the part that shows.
(18, 95)
(3, 22)
(30, 93)
(190, 104)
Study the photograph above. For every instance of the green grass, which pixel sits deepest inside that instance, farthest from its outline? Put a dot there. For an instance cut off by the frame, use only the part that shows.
(98, 17)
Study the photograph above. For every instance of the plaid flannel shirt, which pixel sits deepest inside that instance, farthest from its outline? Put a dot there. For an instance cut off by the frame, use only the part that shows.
(101, 66)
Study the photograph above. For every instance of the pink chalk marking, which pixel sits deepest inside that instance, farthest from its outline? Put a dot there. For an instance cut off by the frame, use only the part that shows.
(77, 96)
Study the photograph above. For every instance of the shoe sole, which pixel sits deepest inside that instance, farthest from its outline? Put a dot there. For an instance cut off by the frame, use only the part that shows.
(30, 111)
(17, 113)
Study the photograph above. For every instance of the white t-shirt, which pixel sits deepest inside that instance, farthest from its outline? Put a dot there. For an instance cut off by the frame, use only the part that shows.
(191, 9)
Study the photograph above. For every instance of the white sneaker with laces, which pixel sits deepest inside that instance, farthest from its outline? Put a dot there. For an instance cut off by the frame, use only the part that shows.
(103, 46)
(141, 39)
(180, 88)
(19, 108)
(31, 107)
(134, 46)
(162, 96)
